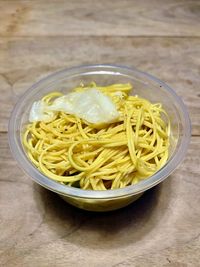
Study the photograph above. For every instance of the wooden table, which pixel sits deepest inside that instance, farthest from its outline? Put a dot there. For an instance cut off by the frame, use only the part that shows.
(39, 37)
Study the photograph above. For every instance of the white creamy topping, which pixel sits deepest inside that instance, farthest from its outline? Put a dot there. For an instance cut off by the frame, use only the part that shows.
(91, 105)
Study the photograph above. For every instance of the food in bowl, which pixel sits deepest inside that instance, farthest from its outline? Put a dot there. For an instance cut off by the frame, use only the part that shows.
(145, 86)
(97, 137)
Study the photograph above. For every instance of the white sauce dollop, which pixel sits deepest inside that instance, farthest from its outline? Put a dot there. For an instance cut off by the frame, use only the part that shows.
(91, 105)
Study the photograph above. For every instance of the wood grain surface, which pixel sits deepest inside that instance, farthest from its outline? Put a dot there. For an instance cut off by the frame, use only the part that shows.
(97, 18)
(37, 228)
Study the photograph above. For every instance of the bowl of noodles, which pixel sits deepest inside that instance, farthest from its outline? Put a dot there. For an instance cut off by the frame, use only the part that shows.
(99, 135)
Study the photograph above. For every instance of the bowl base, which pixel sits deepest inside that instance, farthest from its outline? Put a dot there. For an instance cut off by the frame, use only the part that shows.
(100, 205)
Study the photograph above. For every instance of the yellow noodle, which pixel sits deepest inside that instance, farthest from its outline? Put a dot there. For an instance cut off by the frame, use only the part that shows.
(77, 153)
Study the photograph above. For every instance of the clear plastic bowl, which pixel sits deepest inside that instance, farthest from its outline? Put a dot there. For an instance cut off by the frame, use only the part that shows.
(145, 86)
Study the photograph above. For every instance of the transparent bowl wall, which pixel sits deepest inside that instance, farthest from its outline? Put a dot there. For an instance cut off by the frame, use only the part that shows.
(145, 86)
